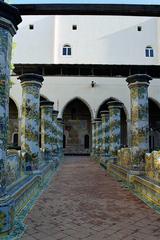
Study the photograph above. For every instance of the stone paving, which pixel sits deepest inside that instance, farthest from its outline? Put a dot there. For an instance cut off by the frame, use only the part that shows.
(83, 202)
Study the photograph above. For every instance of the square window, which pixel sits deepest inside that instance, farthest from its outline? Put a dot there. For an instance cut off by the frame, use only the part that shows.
(31, 26)
(139, 28)
(74, 27)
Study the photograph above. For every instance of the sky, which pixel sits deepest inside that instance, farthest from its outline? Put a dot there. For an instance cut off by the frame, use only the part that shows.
(88, 1)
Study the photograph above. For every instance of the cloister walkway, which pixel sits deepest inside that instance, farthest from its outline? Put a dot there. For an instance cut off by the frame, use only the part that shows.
(83, 202)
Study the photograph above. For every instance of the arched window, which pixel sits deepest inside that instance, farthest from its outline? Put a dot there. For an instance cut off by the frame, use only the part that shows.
(149, 52)
(86, 141)
(66, 50)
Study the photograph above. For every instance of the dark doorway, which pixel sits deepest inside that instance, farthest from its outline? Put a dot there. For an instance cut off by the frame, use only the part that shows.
(77, 124)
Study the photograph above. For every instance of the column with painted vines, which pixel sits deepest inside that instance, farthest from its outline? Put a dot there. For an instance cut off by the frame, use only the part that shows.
(93, 137)
(46, 129)
(9, 20)
(138, 85)
(54, 124)
(105, 132)
(60, 135)
(97, 136)
(114, 127)
(31, 84)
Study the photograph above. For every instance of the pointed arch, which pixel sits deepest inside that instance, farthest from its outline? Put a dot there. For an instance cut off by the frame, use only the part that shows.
(13, 123)
(108, 100)
(82, 100)
(77, 124)
(154, 124)
(124, 117)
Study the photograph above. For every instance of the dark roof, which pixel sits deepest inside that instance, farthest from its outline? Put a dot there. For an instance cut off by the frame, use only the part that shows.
(89, 9)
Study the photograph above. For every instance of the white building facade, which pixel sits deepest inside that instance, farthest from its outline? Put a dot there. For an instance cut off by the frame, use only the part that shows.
(71, 51)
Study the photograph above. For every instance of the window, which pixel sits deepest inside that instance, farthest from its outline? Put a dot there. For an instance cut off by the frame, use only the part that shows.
(15, 139)
(149, 52)
(66, 50)
(139, 28)
(74, 27)
(31, 26)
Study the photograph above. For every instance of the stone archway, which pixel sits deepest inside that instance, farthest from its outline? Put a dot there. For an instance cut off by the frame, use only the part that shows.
(77, 124)
(154, 125)
(103, 107)
(13, 124)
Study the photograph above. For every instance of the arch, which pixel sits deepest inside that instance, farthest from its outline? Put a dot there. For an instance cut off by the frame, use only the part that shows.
(124, 118)
(112, 99)
(77, 124)
(154, 124)
(13, 122)
(82, 100)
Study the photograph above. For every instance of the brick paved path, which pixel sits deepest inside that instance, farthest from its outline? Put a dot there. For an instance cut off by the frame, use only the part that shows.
(83, 203)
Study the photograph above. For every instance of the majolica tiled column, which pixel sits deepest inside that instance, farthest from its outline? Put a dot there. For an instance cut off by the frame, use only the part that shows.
(114, 127)
(93, 137)
(138, 85)
(105, 132)
(46, 129)
(54, 146)
(60, 135)
(31, 84)
(9, 19)
(98, 135)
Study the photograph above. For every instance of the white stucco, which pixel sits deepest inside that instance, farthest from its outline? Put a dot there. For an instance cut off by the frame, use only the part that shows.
(97, 40)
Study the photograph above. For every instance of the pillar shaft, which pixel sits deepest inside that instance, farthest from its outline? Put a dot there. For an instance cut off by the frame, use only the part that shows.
(98, 131)
(105, 131)
(93, 137)
(138, 85)
(31, 84)
(55, 131)
(46, 128)
(114, 127)
(7, 30)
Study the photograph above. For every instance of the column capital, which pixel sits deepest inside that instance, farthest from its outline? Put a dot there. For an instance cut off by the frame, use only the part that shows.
(60, 120)
(55, 112)
(115, 104)
(97, 120)
(10, 14)
(104, 113)
(31, 78)
(46, 104)
(142, 79)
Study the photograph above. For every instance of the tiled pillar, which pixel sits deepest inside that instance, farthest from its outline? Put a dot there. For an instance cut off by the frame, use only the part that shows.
(93, 137)
(31, 84)
(60, 135)
(98, 131)
(9, 19)
(138, 85)
(105, 132)
(54, 146)
(46, 129)
(114, 127)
